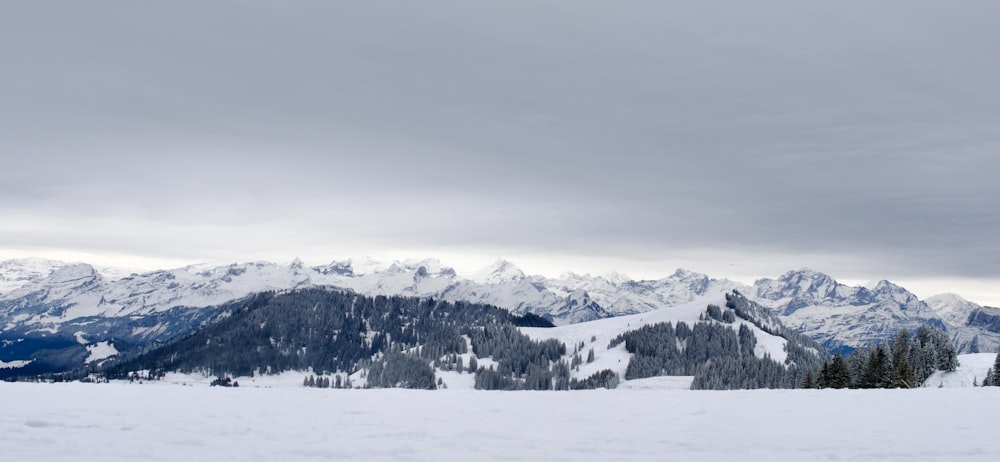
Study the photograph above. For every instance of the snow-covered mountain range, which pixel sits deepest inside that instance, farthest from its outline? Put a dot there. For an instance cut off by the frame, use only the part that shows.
(50, 300)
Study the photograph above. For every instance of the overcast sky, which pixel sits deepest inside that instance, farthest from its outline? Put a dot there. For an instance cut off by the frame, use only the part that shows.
(740, 139)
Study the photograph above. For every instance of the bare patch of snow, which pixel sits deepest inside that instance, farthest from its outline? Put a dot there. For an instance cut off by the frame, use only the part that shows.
(99, 351)
(14, 364)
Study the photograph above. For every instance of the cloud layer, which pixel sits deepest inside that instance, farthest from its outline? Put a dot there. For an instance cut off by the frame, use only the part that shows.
(856, 138)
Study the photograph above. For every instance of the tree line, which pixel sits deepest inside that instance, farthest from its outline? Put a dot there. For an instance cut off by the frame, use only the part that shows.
(904, 361)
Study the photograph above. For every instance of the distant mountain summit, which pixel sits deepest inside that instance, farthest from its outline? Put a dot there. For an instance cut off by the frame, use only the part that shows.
(23, 271)
(55, 306)
(839, 315)
(500, 272)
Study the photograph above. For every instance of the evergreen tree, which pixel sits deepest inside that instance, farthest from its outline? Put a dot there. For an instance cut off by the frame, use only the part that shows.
(878, 370)
(839, 376)
(904, 377)
(824, 376)
(809, 382)
(992, 379)
(996, 371)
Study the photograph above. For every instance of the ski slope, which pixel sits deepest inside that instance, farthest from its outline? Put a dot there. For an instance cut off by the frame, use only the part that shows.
(134, 423)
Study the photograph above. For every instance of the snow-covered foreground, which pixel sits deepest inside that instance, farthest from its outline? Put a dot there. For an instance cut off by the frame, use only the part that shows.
(110, 422)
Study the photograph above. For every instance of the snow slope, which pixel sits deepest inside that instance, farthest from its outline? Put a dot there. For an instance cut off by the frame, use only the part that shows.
(110, 422)
(971, 370)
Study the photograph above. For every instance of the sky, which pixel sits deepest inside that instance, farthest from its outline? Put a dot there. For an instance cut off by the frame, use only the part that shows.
(738, 139)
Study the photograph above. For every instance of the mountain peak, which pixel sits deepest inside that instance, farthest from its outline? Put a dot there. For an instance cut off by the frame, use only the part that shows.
(805, 273)
(801, 285)
(73, 271)
(569, 275)
(32, 262)
(362, 265)
(684, 274)
(947, 297)
(616, 278)
(947, 303)
(887, 286)
(499, 272)
(951, 307)
(807, 279)
(19, 272)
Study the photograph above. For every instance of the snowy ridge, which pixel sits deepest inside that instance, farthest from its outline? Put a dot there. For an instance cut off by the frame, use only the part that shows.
(839, 315)
(43, 298)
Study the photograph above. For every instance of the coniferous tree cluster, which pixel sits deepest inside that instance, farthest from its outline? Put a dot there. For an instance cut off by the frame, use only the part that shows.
(327, 382)
(453, 362)
(324, 330)
(715, 312)
(224, 382)
(601, 379)
(661, 349)
(398, 370)
(522, 363)
(744, 373)
(716, 354)
(992, 378)
(904, 361)
(800, 349)
(490, 379)
(446, 341)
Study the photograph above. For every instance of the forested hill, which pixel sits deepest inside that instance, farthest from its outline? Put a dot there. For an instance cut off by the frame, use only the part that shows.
(408, 342)
(324, 330)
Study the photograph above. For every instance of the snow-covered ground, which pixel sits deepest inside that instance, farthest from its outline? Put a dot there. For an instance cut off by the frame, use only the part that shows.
(120, 422)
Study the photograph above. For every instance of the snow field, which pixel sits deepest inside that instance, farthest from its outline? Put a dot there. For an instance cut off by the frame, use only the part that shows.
(117, 422)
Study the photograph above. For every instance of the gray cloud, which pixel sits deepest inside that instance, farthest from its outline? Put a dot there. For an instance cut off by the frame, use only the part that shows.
(640, 130)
